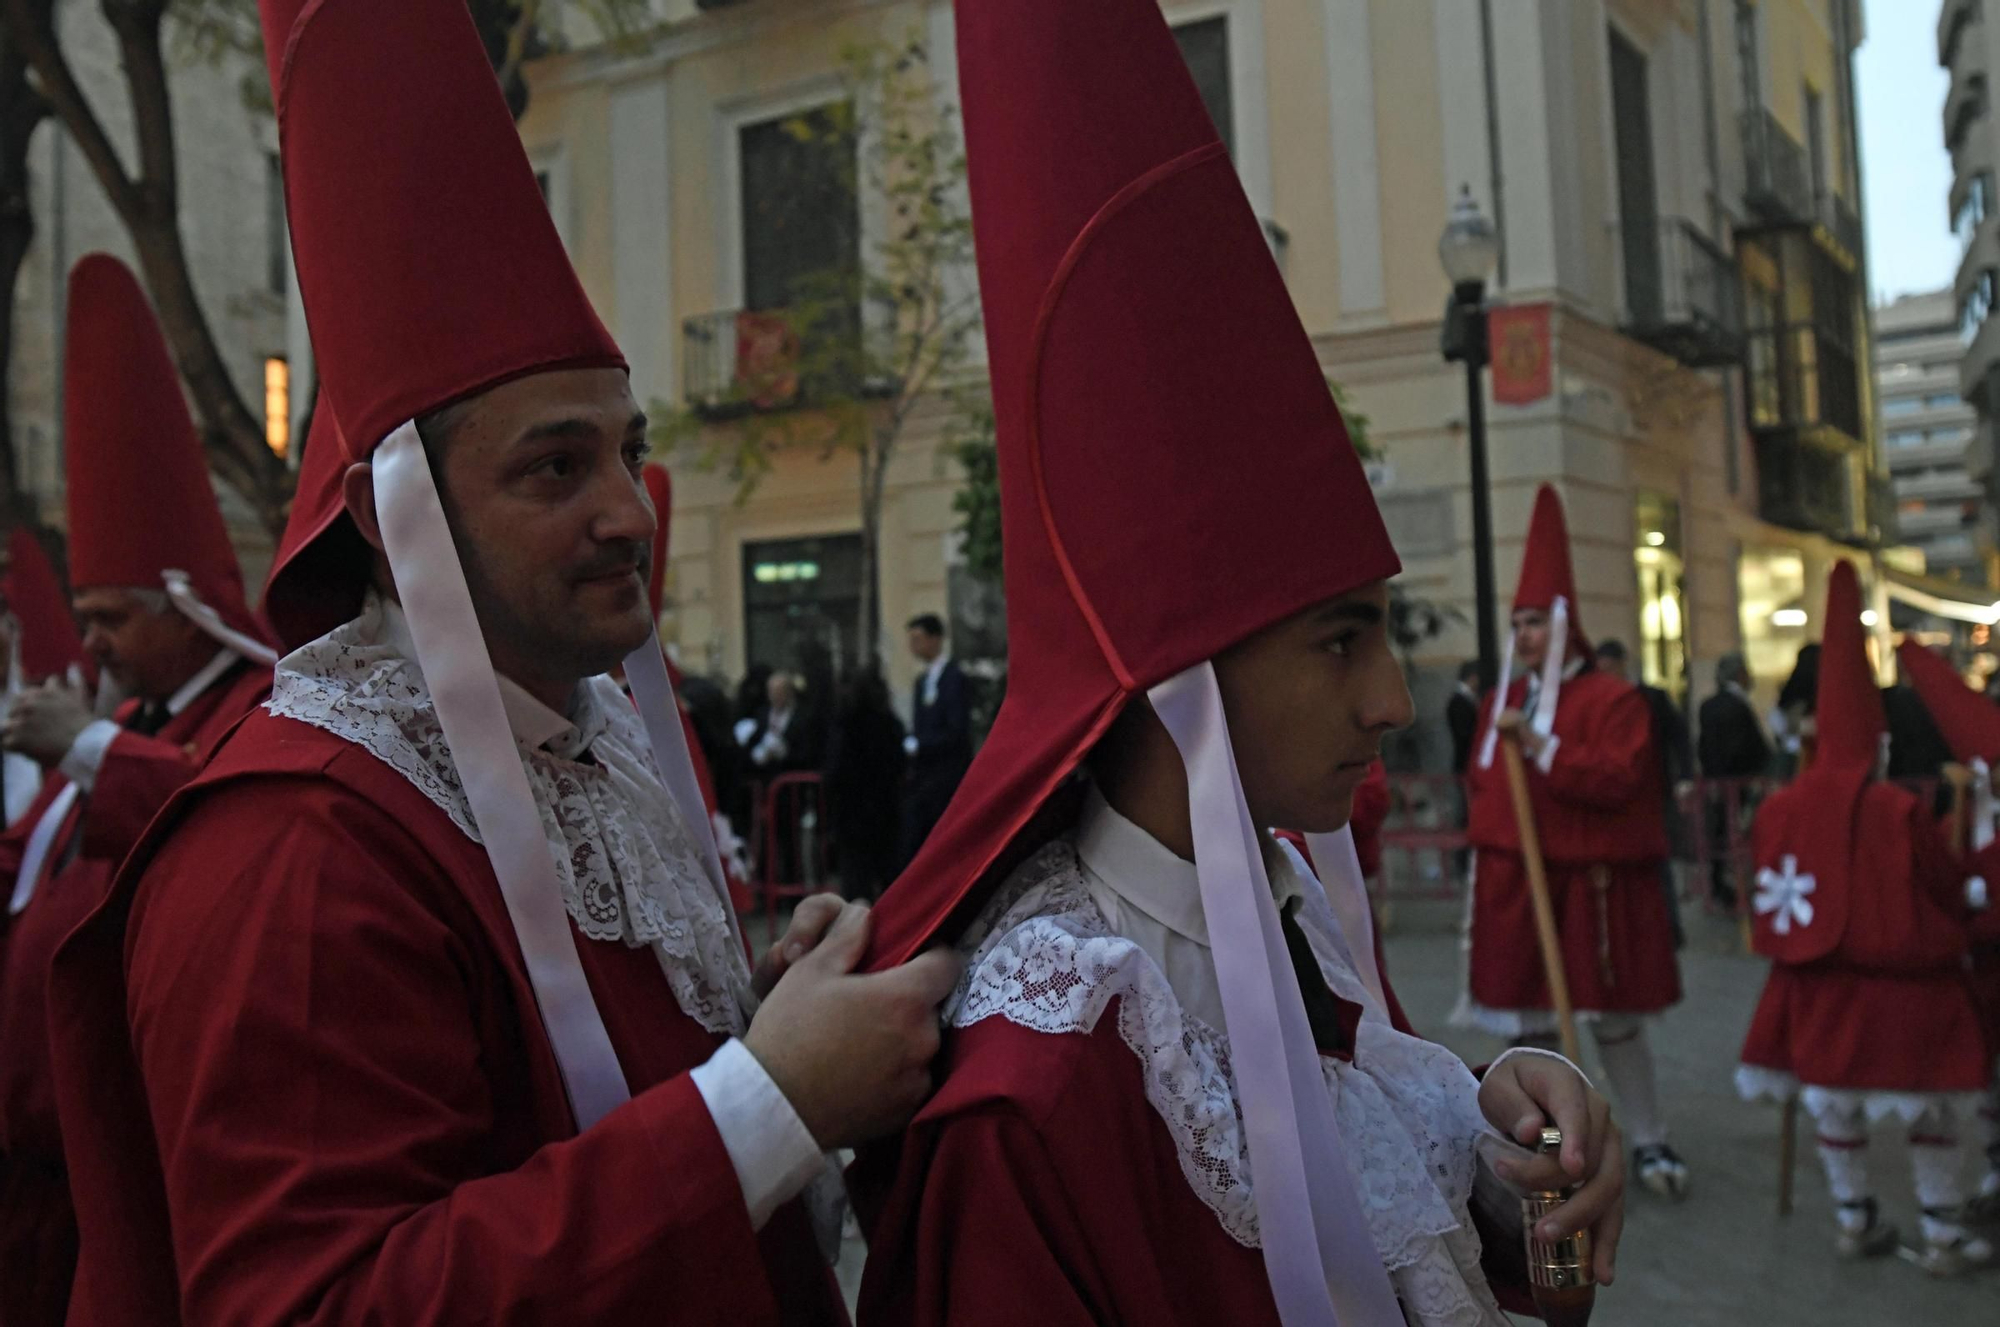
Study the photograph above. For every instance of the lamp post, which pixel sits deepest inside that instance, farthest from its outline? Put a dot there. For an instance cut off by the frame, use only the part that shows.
(1468, 249)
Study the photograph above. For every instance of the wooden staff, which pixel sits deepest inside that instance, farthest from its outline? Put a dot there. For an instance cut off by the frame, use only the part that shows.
(1538, 888)
(1959, 779)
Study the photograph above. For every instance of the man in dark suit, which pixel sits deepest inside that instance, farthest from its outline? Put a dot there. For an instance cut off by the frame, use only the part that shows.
(1461, 714)
(940, 740)
(1732, 745)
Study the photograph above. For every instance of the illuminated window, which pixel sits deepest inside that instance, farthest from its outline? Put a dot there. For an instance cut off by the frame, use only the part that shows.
(278, 405)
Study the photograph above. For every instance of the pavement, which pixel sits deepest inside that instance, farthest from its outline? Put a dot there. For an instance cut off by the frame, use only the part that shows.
(1723, 1256)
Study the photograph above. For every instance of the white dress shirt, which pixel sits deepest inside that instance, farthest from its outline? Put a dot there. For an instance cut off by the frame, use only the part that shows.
(1153, 898)
(86, 754)
(772, 1151)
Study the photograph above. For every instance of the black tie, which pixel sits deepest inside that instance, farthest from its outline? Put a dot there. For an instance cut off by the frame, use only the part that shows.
(149, 720)
(1323, 1007)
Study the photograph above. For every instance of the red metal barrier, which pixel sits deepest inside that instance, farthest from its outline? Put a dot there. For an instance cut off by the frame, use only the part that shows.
(794, 856)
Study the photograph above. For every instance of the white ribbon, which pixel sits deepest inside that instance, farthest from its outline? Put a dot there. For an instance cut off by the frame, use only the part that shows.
(1553, 665)
(1338, 866)
(1984, 807)
(1318, 1250)
(451, 652)
(180, 590)
(1506, 683)
(1785, 894)
(653, 692)
(41, 839)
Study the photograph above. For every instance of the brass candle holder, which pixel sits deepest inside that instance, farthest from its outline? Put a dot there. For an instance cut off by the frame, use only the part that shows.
(1559, 1271)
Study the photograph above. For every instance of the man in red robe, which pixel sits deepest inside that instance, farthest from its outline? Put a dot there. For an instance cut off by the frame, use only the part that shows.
(1594, 777)
(41, 644)
(1971, 723)
(430, 986)
(161, 599)
(1161, 1001)
(1866, 1015)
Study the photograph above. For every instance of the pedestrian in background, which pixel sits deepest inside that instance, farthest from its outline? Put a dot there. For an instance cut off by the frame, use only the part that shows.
(1731, 745)
(940, 740)
(864, 786)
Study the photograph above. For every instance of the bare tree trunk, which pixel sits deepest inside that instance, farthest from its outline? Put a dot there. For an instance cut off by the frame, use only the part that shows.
(148, 203)
(21, 110)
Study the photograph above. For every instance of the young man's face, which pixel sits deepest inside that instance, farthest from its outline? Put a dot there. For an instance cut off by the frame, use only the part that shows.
(1309, 701)
(540, 480)
(1531, 637)
(925, 646)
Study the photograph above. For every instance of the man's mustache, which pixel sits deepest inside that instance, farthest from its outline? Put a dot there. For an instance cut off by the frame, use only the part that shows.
(617, 559)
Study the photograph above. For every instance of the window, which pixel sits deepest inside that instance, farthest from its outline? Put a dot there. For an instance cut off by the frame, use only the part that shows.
(1205, 47)
(1971, 107)
(275, 238)
(1657, 559)
(1978, 303)
(1815, 113)
(1945, 401)
(801, 224)
(278, 406)
(1905, 437)
(1973, 208)
(1638, 201)
(1902, 405)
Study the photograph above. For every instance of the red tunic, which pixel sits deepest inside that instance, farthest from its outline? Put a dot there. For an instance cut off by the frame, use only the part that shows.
(1603, 840)
(356, 1121)
(1883, 1005)
(1040, 1186)
(139, 774)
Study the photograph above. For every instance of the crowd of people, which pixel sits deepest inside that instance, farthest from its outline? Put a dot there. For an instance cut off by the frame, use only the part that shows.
(375, 956)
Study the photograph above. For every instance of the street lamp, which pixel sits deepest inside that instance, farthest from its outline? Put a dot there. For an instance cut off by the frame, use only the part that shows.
(1468, 249)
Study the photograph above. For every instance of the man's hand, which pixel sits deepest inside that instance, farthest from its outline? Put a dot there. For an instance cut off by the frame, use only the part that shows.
(852, 1053)
(810, 922)
(1513, 723)
(44, 723)
(1522, 1096)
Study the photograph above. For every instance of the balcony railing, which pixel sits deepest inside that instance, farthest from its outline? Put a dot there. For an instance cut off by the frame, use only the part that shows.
(1841, 223)
(1777, 180)
(739, 361)
(1682, 294)
(1803, 485)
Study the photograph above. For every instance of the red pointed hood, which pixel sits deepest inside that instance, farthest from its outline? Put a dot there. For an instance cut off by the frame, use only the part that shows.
(313, 585)
(1849, 711)
(1174, 473)
(427, 262)
(48, 643)
(660, 488)
(140, 501)
(1969, 721)
(1546, 574)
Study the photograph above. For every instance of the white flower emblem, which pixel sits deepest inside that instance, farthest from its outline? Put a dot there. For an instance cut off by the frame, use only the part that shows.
(1784, 893)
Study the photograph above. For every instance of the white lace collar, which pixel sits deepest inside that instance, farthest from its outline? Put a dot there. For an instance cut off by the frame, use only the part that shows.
(1042, 956)
(629, 868)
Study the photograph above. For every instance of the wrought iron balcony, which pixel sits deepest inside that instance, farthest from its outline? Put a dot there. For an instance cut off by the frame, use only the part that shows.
(1682, 294)
(1842, 225)
(1805, 483)
(1777, 179)
(740, 361)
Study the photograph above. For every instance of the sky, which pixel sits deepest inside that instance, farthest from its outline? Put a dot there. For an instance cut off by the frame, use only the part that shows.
(1906, 172)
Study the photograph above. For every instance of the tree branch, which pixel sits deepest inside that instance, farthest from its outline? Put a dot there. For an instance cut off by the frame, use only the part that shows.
(32, 26)
(137, 25)
(522, 28)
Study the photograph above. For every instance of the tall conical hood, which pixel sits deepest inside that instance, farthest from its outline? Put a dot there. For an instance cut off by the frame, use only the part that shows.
(429, 272)
(140, 502)
(1546, 573)
(660, 488)
(48, 645)
(321, 565)
(1174, 473)
(1969, 721)
(1849, 712)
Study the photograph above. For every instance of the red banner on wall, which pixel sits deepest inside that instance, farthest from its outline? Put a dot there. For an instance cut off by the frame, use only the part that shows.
(1523, 367)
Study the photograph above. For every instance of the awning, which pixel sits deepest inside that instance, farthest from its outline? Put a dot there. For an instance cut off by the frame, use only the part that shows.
(1943, 598)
